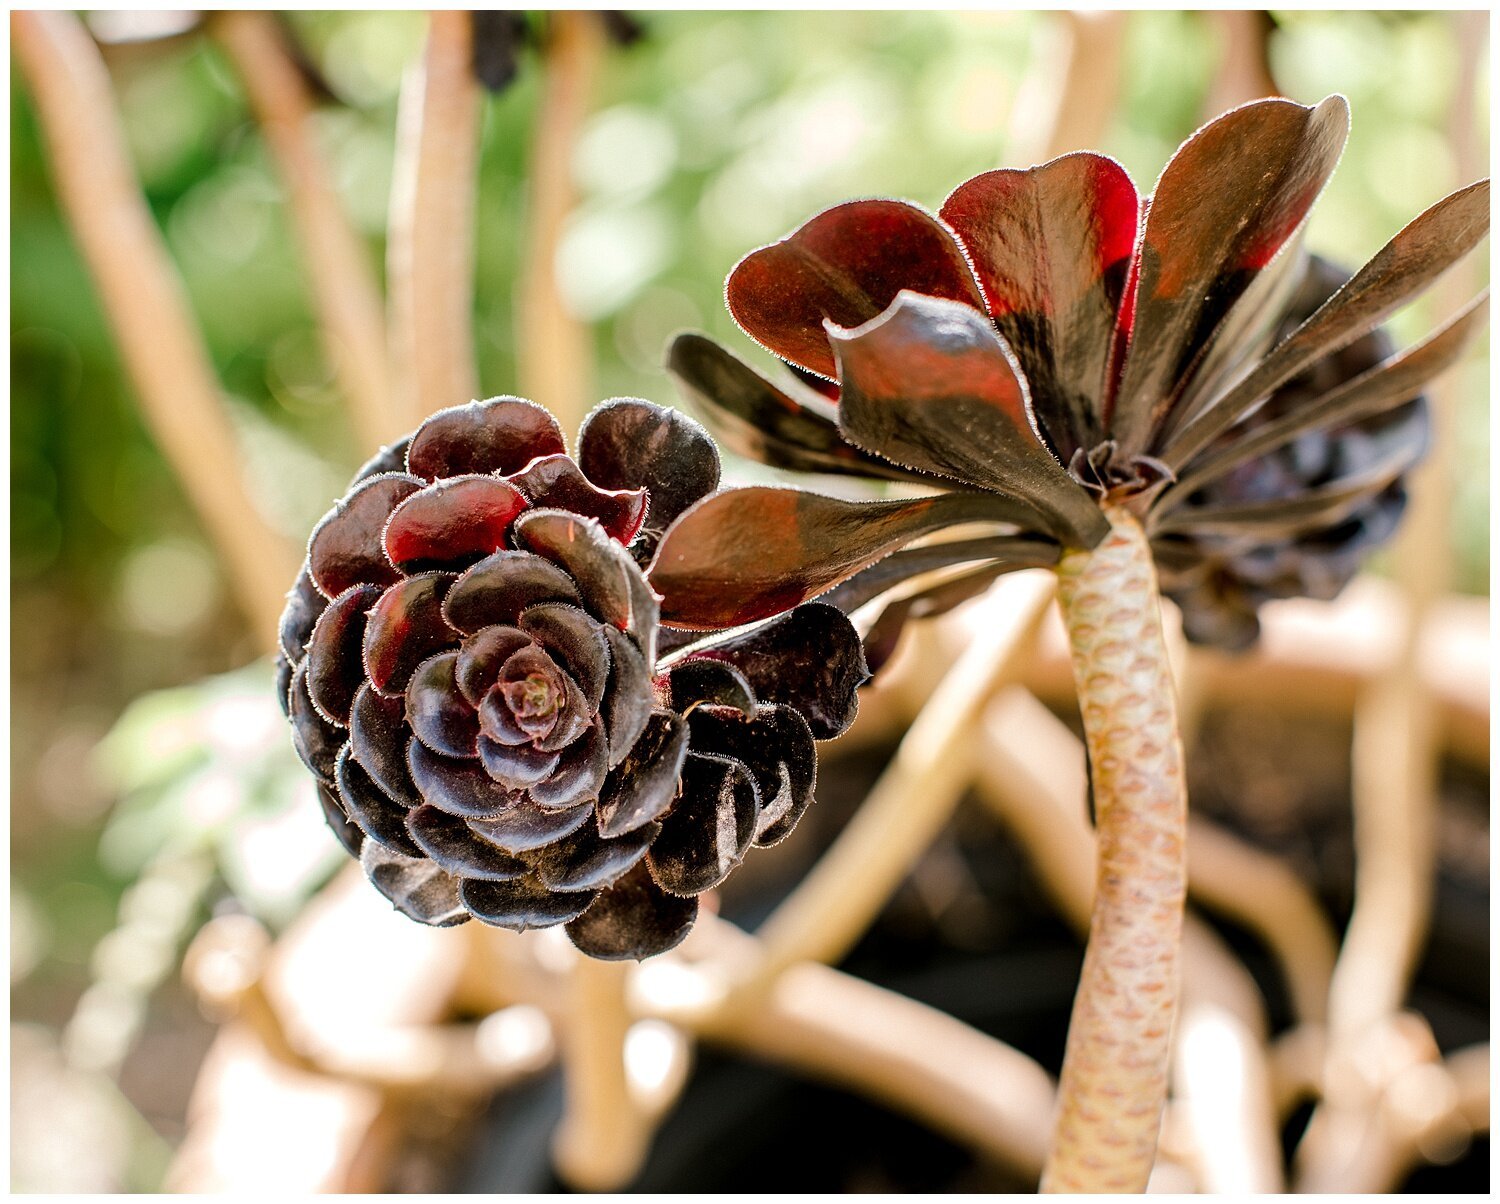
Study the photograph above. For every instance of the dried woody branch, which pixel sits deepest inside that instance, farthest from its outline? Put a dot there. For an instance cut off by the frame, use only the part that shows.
(146, 306)
(430, 249)
(554, 350)
(345, 292)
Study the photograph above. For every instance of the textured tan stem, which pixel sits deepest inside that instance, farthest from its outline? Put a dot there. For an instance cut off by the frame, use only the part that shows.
(430, 256)
(1114, 1077)
(146, 305)
(554, 350)
(340, 274)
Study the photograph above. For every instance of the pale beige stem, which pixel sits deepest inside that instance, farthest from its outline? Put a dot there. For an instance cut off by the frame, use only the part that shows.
(345, 293)
(554, 350)
(1244, 69)
(146, 305)
(604, 1135)
(1033, 779)
(834, 905)
(430, 253)
(1114, 1077)
(1068, 99)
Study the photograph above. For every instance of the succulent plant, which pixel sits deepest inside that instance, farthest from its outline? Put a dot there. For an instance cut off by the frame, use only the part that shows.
(1141, 394)
(469, 663)
(1047, 342)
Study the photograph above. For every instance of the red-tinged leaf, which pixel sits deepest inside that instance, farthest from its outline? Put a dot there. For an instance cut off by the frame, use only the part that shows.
(629, 697)
(501, 435)
(1007, 553)
(501, 586)
(1424, 249)
(452, 523)
(1225, 205)
(440, 716)
(304, 603)
(642, 786)
(406, 627)
(929, 384)
(1051, 247)
(587, 861)
(746, 554)
(845, 265)
(369, 807)
(335, 669)
(609, 579)
(346, 547)
(378, 737)
(556, 483)
(633, 919)
(524, 826)
(482, 655)
(453, 845)
(776, 747)
(626, 443)
(754, 418)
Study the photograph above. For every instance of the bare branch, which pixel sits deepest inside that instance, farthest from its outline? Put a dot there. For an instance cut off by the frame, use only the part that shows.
(145, 304)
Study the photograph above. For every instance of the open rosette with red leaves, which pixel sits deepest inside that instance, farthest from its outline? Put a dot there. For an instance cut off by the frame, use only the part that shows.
(469, 663)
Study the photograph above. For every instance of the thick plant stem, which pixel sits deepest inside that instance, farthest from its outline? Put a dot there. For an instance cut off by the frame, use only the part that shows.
(1114, 1077)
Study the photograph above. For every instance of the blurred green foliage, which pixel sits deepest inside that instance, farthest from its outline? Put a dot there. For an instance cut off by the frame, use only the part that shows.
(715, 133)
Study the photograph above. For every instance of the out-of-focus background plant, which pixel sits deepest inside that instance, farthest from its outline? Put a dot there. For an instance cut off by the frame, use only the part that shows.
(153, 784)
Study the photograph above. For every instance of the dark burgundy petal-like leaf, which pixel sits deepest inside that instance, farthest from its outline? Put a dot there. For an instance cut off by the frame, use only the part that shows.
(556, 483)
(643, 785)
(633, 919)
(929, 384)
(316, 740)
(378, 737)
(628, 698)
(1426, 248)
(335, 666)
(482, 655)
(776, 747)
(525, 826)
(499, 724)
(579, 774)
(501, 435)
(1385, 386)
(587, 861)
(573, 719)
(406, 627)
(461, 788)
(522, 903)
(450, 842)
(1051, 247)
(284, 671)
(369, 807)
(870, 583)
(710, 826)
(753, 417)
(1231, 197)
(845, 265)
(810, 659)
(501, 586)
(418, 888)
(626, 443)
(304, 603)
(747, 554)
(346, 833)
(390, 458)
(698, 679)
(576, 642)
(452, 523)
(1304, 511)
(346, 547)
(609, 579)
(516, 766)
(439, 715)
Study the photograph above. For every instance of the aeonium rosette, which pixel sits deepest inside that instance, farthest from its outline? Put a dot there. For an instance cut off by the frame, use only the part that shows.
(469, 663)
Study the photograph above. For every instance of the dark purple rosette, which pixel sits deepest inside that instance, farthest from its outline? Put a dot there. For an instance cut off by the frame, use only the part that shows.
(469, 664)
